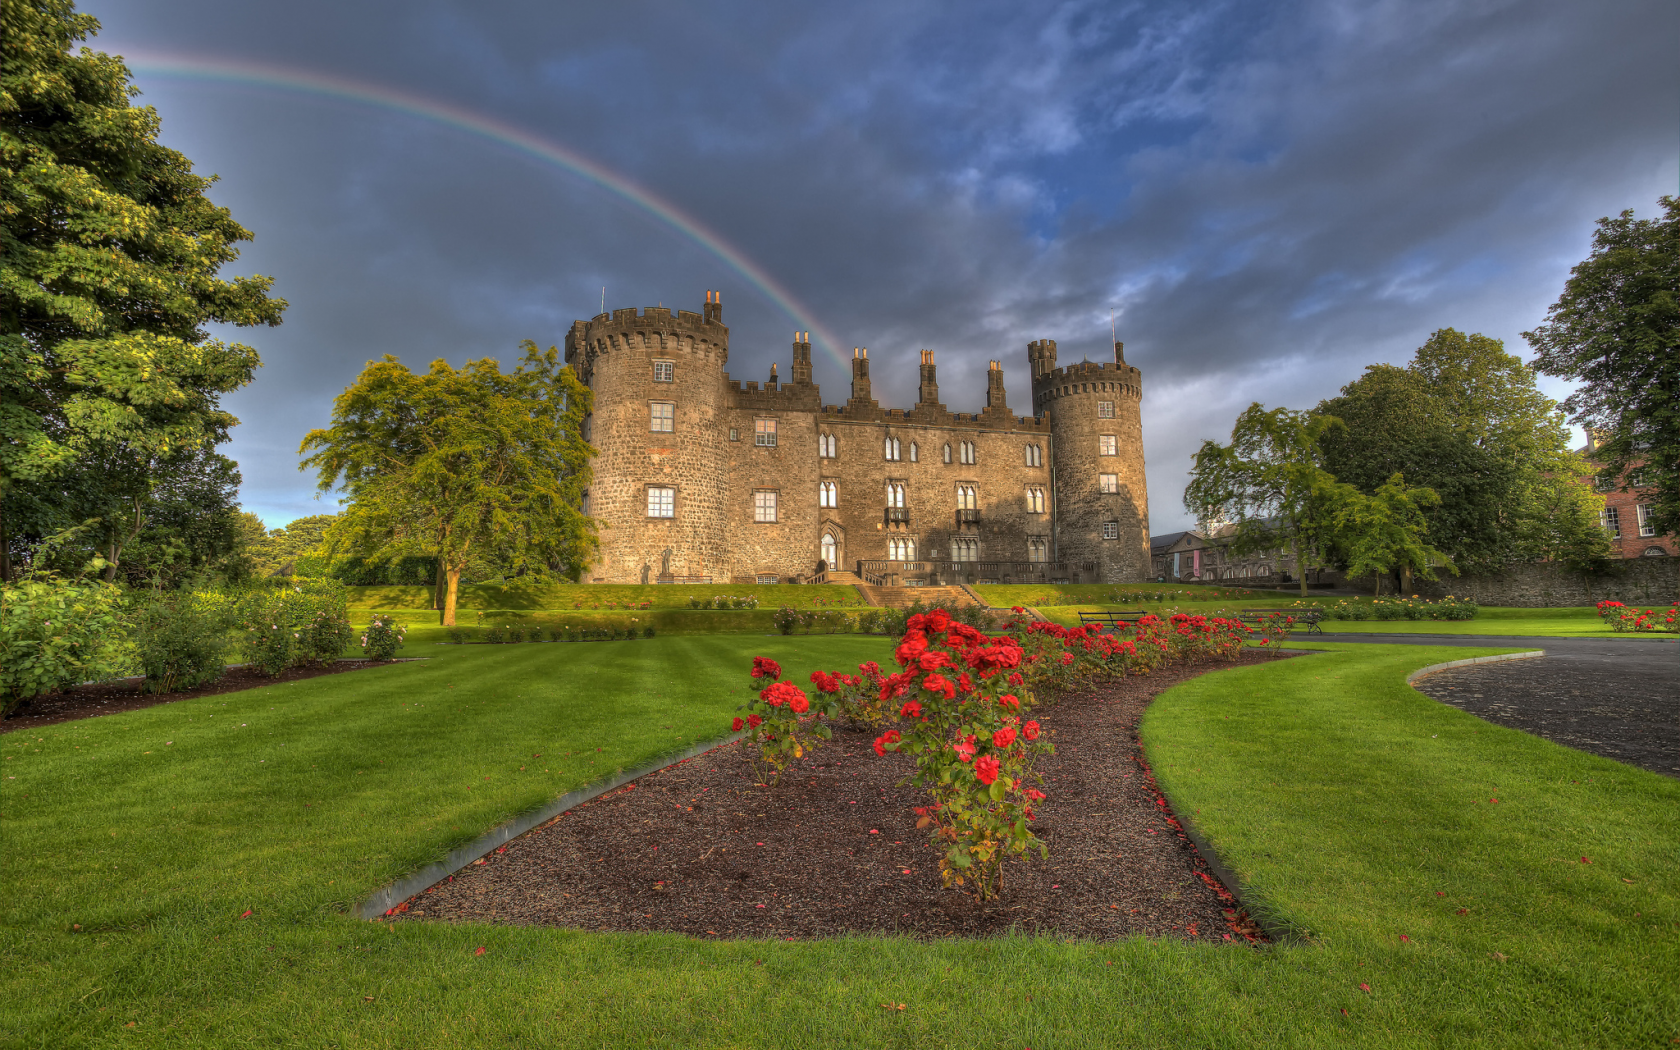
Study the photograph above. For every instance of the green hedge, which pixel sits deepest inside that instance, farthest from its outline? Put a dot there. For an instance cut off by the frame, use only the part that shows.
(566, 597)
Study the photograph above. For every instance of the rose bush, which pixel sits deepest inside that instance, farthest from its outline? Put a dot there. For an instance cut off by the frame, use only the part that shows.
(1624, 618)
(782, 724)
(382, 639)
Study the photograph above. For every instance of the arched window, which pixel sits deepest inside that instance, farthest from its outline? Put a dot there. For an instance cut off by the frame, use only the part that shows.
(1035, 455)
(1038, 548)
(965, 548)
(1035, 500)
(895, 494)
(830, 549)
(826, 447)
(828, 494)
(967, 498)
(915, 453)
(901, 549)
(966, 452)
(947, 452)
(891, 448)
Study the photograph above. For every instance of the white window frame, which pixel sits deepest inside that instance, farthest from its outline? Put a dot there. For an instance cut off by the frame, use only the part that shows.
(664, 371)
(1610, 519)
(1108, 484)
(764, 433)
(1646, 527)
(655, 417)
(1111, 530)
(1105, 410)
(764, 506)
(1108, 445)
(828, 494)
(661, 501)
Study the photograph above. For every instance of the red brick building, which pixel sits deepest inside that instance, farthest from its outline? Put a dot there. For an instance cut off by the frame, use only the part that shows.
(1626, 516)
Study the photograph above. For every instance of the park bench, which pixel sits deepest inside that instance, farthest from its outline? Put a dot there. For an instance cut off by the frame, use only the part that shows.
(1309, 617)
(1110, 619)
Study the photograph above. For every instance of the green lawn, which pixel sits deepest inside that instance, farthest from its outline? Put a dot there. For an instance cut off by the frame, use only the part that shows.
(587, 597)
(1344, 798)
(1567, 622)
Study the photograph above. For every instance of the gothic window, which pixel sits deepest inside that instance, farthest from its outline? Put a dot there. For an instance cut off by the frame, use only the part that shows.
(1035, 456)
(1035, 500)
(1105, 410)
(828, 494)
(664, 417)
(947, 452)
(915, 453)
(662, 502)
(1111, 530)
(901, 549)
(1109, 483)
(764, 505)
(890, 448)
(1038, 548)
(1109, 446)
(965, 452)
(826, 446)
(895, 494)
(965, 548)
(764, 433)
(664, 371)
(967, 498)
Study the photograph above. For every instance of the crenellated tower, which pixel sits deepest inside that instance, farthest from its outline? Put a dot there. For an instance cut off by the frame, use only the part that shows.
(1100, 496)
(659, 429)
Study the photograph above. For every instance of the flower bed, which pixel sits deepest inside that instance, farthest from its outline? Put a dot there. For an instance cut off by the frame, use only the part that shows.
(1630, 618)
(1413, 608)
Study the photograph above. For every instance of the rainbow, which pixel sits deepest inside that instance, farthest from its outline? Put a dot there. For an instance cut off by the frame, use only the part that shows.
(324, 85)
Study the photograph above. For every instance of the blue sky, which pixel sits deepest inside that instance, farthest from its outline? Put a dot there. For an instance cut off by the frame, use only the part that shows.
(1269, 197)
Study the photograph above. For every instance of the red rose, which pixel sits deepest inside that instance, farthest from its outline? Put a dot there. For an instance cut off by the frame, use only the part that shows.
(986, 768)
(1016, 679)
(1010, 701)
(784, 693)
(933, 659)
(1067, 658)
(735, 726)
(1003, 738)
(884, 740)
(965, 683)
(754, 721)
(826, 682)
(1034, 795)
(1030, 730)
(799, 705)
(764, 667)
(912, 709)
(935, 683)
(938, 620)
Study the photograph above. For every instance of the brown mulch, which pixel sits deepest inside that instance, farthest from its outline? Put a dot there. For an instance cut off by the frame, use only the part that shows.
(699, 848)
(128, 694)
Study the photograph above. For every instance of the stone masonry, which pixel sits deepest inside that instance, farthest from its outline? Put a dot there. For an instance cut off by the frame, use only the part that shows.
(703, 478)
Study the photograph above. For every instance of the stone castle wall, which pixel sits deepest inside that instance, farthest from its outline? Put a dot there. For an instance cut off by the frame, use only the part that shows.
(715, 466)
(1641, 581)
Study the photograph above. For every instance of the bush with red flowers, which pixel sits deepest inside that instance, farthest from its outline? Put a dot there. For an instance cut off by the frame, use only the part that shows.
(1624, 618)
(782, 723)
(961, 720)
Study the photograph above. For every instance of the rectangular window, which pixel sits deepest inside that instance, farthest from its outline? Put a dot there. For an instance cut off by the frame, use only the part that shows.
(768, 578)
(764, 433)
(1035, 500)
(1105, 410)
(664, 417)
(1109, 483)
(662, 502)
(664, 371)
(1109, 445)
(1646, 526)
(828, 494)
(1111, 530)
(1611, 519)
(1636, 479)
(764, 505)
(734, 435)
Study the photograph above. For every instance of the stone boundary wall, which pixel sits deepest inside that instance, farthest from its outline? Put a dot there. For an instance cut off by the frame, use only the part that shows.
(1642, 581)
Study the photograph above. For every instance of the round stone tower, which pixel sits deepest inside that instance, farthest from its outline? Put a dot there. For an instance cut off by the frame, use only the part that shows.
(1099, 498)
(658, 426)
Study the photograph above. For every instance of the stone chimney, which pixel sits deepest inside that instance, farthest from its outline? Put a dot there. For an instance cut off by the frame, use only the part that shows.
(860, 374)
(996, 400)
(801, 358)
(927, 394)
(714, 307)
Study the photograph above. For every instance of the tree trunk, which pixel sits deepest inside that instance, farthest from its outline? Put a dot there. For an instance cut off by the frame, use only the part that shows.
(1300, 569)
(438, 588)
(453, 574)
(1405, 580)
(1376, 583)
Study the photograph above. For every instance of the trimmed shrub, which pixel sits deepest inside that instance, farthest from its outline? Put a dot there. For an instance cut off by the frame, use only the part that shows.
(55, 634)
(382, 639)
(181, 638)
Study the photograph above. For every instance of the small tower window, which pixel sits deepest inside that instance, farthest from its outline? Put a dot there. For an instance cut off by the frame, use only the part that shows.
(1111, 530)
(764, 433)
(661, 502)
(664, 371)
(967, 498)
(947, 452)
(826, 446)
(915, 453)
(828, 494)
(1110, 446)
(895, 495)
(663, 417)
(891, 449)
(1108, 483)
(965, 452)
(764, 505)
(1035, 456)
(1105, 410)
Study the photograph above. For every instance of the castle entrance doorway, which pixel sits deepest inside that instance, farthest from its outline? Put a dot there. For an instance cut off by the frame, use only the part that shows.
(830, 550)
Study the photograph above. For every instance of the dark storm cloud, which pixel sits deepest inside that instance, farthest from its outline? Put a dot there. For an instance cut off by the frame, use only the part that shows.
(1270, 197)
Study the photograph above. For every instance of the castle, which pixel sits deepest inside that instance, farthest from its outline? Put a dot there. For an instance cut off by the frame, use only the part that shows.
(701, 478)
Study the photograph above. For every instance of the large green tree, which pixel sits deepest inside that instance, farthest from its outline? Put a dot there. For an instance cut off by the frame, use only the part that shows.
(1616, 330)
(1465, 419)
(1271, 482)
(1383, 532)
(109, 255)
(451, 462)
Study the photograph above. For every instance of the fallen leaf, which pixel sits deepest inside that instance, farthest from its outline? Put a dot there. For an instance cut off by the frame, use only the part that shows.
(1364, 987)
(1586, 860)
(247, 914)
(892, 1006)
(479, 952)
(367, 998)
(1464, 911)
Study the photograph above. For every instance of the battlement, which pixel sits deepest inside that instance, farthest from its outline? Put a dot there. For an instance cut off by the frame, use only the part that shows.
(1088, 377)
(650, 328)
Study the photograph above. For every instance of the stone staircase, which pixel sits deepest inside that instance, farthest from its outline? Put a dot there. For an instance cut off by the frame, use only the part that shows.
(931, 597)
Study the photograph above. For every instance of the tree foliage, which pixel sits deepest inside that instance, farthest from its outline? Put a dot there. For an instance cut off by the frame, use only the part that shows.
(109, 254)
(1270, 480)
(1465, 419)
(1616, 330)
(1383, 532)
(452, 462)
